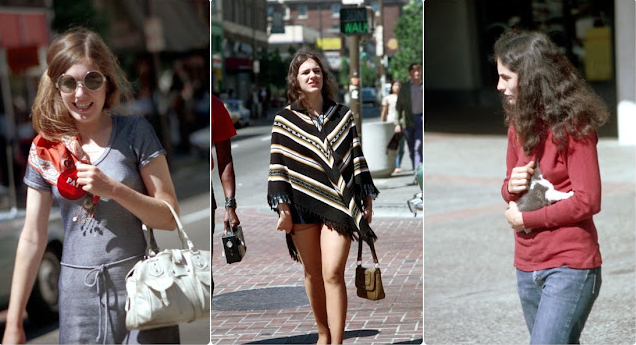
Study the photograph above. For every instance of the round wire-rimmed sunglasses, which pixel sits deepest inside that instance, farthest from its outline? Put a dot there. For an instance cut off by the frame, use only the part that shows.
(93, 81)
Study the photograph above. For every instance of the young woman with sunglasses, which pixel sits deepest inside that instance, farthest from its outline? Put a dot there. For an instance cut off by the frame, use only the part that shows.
(108, 173)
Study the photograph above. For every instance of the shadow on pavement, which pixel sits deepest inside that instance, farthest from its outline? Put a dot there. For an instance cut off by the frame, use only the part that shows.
(261, 299)
(416, 341)
(313, 337)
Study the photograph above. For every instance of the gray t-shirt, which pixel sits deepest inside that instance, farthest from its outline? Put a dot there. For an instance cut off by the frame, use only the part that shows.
(114, 233)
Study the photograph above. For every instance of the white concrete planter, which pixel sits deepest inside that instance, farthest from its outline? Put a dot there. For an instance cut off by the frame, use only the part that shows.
(375, 137)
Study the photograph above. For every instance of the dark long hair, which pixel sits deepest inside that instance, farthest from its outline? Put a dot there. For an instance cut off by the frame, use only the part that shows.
(294, 92)
(550, 93)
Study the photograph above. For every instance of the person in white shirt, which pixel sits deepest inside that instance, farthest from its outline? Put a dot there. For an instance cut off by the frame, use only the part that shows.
(390, 114)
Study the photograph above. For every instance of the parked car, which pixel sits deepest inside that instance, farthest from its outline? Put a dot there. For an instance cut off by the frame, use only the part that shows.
(42, 306)
(369, 96)
(238, 111)
(200, 142)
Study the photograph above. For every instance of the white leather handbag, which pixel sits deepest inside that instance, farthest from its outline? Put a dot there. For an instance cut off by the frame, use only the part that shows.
(168, 287)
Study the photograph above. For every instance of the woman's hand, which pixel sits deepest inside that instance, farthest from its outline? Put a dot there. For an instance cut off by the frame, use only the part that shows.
(94, 180)
(367, 208)
(519, 181)
(14, 335)
(285, 222)
(514, 217)
(230, 214)
(398, 129)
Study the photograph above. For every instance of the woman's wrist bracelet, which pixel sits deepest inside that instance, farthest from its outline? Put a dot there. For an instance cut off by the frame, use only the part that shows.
(230, 202)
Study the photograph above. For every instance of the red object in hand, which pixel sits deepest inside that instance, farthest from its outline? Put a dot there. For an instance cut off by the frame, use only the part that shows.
(67, 185)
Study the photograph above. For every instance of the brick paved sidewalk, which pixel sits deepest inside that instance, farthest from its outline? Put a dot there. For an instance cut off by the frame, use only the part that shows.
(261, 300)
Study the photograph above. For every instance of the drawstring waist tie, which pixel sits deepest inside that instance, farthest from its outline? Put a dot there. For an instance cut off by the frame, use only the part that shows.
(97, 273)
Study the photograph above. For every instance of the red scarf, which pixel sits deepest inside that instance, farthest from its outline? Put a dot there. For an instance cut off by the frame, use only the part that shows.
(56, 162)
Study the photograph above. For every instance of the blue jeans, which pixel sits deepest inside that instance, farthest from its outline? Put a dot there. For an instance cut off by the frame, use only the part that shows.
(400, 153)
(414, 139)
(557, 301)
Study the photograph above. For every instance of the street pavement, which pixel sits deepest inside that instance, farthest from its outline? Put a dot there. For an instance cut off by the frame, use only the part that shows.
(261, 300)
(469, 283)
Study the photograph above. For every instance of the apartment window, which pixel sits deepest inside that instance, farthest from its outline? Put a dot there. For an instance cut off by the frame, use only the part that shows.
(302, 11)
(287, 13)
(238, 14)
(335, 10)
(376, 7)
(249, 18)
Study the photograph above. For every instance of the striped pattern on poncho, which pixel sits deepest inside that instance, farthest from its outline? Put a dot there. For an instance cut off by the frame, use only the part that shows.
(320, 172)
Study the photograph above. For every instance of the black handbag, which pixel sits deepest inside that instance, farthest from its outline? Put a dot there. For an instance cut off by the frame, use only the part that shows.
(369, 280)
(394, 143)
(233, 243)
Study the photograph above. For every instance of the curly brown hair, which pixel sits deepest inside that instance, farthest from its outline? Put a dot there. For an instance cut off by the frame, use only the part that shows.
(50, 118)
(550, 93)
(294, 92)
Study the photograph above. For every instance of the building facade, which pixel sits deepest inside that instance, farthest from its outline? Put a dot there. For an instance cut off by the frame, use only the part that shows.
(597, 36)
(239, 35)
(294, 23)
(324, 16)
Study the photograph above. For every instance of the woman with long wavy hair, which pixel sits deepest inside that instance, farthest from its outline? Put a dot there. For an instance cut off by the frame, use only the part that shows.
(320, 185)
(552, 114)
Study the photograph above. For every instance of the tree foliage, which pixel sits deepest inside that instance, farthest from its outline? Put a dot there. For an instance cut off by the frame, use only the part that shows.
(273, 69)
(368, 72)
(343, 74)
(408, 32)
(69, 14)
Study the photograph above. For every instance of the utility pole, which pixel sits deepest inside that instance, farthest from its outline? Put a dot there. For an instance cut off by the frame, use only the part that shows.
(355, 21)
(10, 123)
(380, 52)
(355, 81)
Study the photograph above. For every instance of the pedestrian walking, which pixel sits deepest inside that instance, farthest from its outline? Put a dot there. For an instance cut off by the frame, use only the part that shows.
(222, 132)
(109, 174)
(389, 113)
(552, 116)
(409, 107)
(320, 185)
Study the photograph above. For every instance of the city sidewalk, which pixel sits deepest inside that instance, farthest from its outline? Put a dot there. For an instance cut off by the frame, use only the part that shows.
(470, 289)
(261, 300)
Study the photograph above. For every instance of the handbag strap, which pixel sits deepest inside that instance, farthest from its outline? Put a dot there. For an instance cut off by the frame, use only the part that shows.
(373, 254)
(151, 243)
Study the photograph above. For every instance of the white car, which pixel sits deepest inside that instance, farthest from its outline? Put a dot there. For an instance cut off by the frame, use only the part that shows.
(200, 142)
(237, 109)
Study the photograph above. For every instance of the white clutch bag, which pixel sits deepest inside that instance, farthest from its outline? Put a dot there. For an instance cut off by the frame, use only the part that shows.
(168, 287)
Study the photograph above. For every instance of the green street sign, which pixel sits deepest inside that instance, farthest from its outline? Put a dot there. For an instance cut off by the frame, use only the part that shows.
(356, 20)
(355, 28)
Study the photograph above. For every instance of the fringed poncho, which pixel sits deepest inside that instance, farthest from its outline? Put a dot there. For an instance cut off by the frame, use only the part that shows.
(321, 172)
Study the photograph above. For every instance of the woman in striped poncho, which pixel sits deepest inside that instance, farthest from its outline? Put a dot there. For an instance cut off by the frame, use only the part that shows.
(320, 185)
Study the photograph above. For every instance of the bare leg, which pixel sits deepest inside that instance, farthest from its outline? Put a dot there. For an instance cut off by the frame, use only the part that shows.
(335, 249)
(306, 238)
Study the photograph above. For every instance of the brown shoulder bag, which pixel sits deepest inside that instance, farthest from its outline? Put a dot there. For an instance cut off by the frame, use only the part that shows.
(369, 280)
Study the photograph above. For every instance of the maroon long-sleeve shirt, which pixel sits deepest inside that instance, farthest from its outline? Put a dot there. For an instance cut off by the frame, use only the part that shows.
(564, 232)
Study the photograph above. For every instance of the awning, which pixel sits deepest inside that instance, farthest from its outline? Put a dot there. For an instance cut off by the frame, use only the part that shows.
(23, 29)
(21, 33)
(238, 64)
